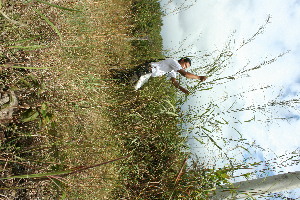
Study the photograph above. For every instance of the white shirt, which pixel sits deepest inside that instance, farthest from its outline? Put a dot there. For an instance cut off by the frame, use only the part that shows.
(168, 66)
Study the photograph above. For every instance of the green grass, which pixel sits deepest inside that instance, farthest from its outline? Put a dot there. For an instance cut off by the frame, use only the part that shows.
(151, 137)
(57, 65)
(72, 115)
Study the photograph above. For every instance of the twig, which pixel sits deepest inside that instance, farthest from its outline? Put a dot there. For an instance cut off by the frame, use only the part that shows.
(80, 169)
(11, 20)
(178, 177)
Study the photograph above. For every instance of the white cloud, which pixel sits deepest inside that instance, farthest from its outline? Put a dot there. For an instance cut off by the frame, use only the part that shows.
(208, 24)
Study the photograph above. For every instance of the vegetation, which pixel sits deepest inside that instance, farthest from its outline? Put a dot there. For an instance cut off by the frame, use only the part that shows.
(55, 61)
(146, 41)
(71, 131)
(76, 133)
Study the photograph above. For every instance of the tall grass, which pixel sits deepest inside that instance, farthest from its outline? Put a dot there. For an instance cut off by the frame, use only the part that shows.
(73, 115)
(58, 61)
(150, 136)
(208, 121)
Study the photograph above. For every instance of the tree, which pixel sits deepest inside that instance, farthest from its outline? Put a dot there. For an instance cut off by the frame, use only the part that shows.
(260, 186)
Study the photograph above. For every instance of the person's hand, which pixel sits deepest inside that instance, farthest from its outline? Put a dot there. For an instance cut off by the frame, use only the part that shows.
(202, 78)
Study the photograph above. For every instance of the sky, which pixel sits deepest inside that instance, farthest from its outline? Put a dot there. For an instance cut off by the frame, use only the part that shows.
(203, 26)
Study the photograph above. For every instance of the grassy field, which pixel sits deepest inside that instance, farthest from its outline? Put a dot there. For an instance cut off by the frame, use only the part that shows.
(62, 119)
(69, 129)
(71, 118)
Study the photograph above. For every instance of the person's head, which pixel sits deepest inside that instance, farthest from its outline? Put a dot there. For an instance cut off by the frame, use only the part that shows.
(185, 62)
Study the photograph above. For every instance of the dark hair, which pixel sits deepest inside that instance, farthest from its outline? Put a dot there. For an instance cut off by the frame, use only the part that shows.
(186, 59)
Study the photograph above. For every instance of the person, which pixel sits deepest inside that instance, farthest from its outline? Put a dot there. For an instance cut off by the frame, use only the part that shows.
(168, 67)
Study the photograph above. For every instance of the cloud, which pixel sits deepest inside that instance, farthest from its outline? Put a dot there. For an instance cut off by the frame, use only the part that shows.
(215, 21)
(208, 24)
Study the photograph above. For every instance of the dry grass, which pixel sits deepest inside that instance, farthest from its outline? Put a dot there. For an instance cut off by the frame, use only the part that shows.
(74, 87)
(96, 42)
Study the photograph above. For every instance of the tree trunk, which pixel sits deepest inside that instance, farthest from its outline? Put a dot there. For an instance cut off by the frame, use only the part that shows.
(259, 186)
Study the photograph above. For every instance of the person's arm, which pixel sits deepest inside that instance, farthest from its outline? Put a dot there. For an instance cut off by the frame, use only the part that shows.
(191, 76)
(176, 84)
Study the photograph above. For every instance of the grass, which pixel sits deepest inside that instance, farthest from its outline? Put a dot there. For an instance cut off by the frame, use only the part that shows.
(57, 65)
(77, 133)
(150, 136)
(72, 117)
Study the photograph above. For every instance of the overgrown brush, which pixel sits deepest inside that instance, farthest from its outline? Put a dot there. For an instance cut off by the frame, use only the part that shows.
(147, 124)
(55, 65)
(71, 115)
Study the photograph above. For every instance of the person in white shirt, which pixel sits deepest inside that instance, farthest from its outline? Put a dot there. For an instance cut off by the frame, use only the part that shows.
(168, 67)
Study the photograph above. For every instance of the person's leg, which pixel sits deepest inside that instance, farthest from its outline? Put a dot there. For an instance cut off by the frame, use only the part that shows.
(136, 76)
(144, 72)
(142, 80)
(121, 75)
(129, 76)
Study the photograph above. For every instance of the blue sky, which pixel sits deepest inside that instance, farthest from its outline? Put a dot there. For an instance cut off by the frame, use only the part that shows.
(206, 26)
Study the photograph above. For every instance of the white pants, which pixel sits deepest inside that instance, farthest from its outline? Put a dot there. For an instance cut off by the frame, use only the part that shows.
(142, 80)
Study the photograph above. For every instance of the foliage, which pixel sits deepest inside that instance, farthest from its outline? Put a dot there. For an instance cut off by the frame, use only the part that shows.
(198, 182)
(146, 41)
(147, 126)
(50, 60)
(71, 114)
(170, 10)
(208, 120)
